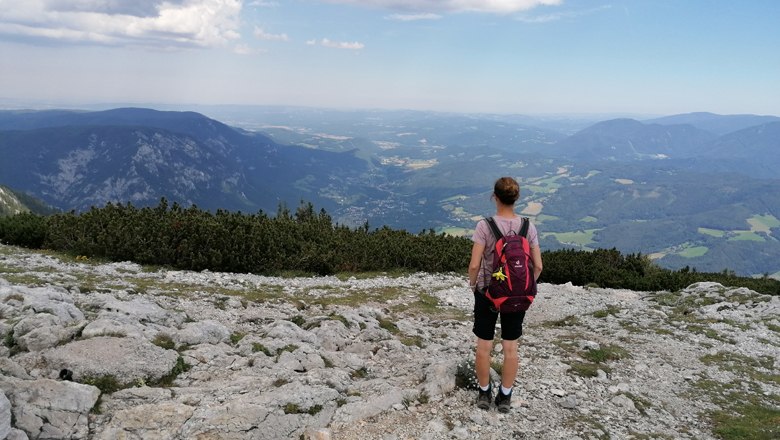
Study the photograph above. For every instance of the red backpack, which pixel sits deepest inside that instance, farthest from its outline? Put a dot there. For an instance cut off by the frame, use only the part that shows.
(512, 287)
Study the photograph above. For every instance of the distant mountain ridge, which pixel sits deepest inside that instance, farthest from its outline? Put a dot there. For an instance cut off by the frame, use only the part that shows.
(714, 123)
(629, 139)
(670, 189)
(77, 160)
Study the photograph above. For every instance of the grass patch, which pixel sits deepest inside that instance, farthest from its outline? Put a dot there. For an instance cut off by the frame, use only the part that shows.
(164, 340)
(289, 348)
(292, 408)
(587, 369)
(281, 381)
(605, 353)
(745, 366)
(340, 318)
(235, 337)
(746, 412)
(106, 384)
(580, 238)
(25, 279)
(610, 310)
(167, 380)
(298, 320)
(415, 340)
(709, 332)
(568, 321)
(712, 232)
(258, 347)
(360, 373)
(693, 251)
(389, 325)
(746, 236)
(754, 422)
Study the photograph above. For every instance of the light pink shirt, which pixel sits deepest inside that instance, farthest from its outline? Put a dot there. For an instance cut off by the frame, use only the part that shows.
(483, 235)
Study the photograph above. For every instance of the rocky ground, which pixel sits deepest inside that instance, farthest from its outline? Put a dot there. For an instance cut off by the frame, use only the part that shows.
(107, 351)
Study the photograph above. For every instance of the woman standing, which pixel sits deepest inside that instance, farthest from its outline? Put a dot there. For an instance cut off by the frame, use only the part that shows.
(506, 192)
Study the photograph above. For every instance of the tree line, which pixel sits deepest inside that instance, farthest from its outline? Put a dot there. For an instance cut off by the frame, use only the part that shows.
(308, 241)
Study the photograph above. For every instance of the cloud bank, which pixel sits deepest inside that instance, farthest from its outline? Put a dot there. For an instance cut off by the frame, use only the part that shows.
(432, 6)
(160, 23)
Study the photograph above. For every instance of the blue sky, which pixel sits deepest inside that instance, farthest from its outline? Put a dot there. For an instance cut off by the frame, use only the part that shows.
(496, 56)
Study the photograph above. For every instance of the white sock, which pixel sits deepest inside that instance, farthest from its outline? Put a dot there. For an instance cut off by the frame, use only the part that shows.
(505, 391)
(485, 388)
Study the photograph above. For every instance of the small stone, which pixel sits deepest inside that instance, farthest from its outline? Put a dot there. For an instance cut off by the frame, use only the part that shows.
(460, 433)
(318, 434)
(569, 402)
(558, 392)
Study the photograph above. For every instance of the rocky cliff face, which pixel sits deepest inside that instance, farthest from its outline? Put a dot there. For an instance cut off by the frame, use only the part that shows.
(9, 203)
(75, 160)
(106, 351)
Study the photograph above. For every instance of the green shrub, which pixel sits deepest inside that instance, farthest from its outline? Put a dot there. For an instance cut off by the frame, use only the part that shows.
(466, 375)
(106, 384)
(309, 242)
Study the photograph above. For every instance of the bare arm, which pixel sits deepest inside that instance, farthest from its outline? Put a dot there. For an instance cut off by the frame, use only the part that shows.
(474, 264)
(536, 258)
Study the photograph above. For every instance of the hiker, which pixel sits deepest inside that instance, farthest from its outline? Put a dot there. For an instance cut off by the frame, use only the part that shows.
(505, 193)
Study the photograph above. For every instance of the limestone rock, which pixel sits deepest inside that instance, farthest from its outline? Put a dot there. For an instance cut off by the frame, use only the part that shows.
(112, 324)
(127, 359)
(5, 416)
(49, 409)
(147, 421)
(440, 378)
(203, 332)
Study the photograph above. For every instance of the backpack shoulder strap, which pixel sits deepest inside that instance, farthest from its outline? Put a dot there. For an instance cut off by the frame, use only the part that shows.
(524, 227)
(494, 227)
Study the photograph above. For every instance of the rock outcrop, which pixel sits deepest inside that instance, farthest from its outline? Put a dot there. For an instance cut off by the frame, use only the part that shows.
(179, 355)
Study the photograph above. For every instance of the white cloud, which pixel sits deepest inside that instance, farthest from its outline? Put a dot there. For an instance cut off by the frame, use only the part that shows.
(490, 6)
(337, 44)
(263, 35)
(159, 23)
(546, 18)
(414, 17)
(263, 4)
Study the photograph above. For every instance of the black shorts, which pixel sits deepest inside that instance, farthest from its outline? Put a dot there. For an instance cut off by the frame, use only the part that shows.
(485, 317)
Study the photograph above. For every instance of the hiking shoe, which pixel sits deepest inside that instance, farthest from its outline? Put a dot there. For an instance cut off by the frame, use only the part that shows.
(484, 397)
(503, 401)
